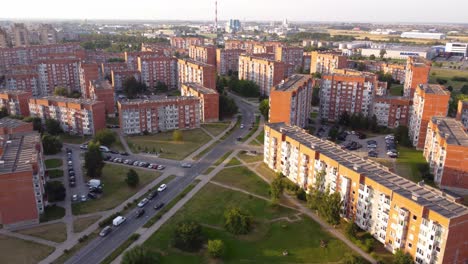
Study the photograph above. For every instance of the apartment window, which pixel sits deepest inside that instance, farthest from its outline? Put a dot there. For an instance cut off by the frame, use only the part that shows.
(415, 217)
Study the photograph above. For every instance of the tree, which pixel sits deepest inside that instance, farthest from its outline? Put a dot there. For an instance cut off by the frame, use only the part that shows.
(216, 248)
(93, 160)
(236, 221)
(55, 191)
(464, 89)
(132, 87)
(188, 236)
(227, 106)
(177, 136)
(105, 137)
(333, 208)
(51, 144)
(372, 57)
(316, 96)
(161, 87)
(36, 121)
(264, 107)
(276, 188)
(61, 91)
(382, 53)
(402, 137)
(351, 229)
(53, 127)
(3, 112)
(132, 179)
(401, 257)
(353, 259)
(139, 255)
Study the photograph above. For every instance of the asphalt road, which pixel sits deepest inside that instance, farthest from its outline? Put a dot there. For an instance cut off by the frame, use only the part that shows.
(98, 249)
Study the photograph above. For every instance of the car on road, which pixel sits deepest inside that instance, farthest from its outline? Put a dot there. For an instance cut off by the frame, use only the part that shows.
(118, 220)
(140, 213)
(124, 154)
(239, 138)
(113, 151)
(84, 146)
(83, 198)
(158, 206)
(104, 149)
(143, 202)
(105, 231)
(152, 194)
(162, 187)
(161, 167)
(72, 183)
(68, 150)
(75, 198)
(186, 165)
(242, 126)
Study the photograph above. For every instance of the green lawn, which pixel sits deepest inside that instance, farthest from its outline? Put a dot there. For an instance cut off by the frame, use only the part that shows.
(407, 163)
(243, 178)
(233, 162)
(116, 191)
(250, 158)
(18, 251)
(266, 172)
(220, 160)
(266, 242)
(192, 140)
(396, 89)
(208, 170)
(74, 139)
(52, 212)
(53, 232)
(53, 163)
(55, 173)
(81, 224)
(447, 74)
(216, 128)
(117, 144)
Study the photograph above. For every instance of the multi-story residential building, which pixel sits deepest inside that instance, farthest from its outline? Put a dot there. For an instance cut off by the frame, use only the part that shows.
(348, 91)
(306, 60)
(76, 116)
(417, 72)
(22, 179)
(446, 150)
(391, 111)
(264, 72)
(107, 67)
(326, 62)
(118, 77)
(462, 112)
(20, 35)
(23, 80)
(157, 115)
(156, 70)
(131, 58)
(398, 71)
(190, 71)
(425, 222)
(47, 34)
(290, 55)
(227, 60)
(186, 42)
(100, 56)
(11, 126)
(253, 47)
(205, 54)
(209, 100)
(88, 72)
(15, 102)
(102, 90)
(58, 72)
(3, 38)
(429, 100)
(290, 100)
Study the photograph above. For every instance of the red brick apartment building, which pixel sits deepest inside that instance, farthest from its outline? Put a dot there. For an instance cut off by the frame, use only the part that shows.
(290, 55)
(24, 78)
(290, 101)
(227, 60)
(22, 180)
(131, 58)
(326, 62)
(102, 90)
(417, 73)
(88, 72)
(186, 42)
(190, 71)
(253, 47)
(76, 116)
(462, 112)
(264, 72)
(157, 115)
(205, 54)
(158, 69)
(429, 100)
(16, 102)
(58, 72)
(446, 150)
(209, 100)
(108, 67)
(391, 111)
(119, 76)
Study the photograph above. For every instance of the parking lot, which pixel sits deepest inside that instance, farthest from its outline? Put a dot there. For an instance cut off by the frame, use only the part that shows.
(380, 146)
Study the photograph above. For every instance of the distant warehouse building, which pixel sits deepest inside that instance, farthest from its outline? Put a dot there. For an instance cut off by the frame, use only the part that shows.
(457, 48)
(400, 52)
(422, 35)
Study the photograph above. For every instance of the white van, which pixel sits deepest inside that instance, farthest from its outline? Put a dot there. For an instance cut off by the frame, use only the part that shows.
(118, 220)
(104, 149)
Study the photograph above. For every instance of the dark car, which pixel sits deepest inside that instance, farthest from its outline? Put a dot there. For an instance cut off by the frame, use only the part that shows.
(124, 153)
(72, 183)
(151, 195)
(95, 189)
(71, 173)
(158, 206)
(373, 154)
(92, 195)
(140, 212)
(113, 151)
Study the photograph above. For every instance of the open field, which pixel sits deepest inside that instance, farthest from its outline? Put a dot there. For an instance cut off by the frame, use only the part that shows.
(233, 162)
(81, 224)
(192, 140)
(448, 74)
(216, 128)
(21, 251)
(243, 178)
(116, 191)
(74, 139)
(55, 173)
(396, 90)
(408, 163)
(53, 232)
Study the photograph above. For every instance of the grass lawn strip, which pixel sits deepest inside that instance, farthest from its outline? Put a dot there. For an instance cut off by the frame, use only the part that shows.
(249, 158)
(216, 128)
(52, 232)
(243, 178)
(55, 173)
(266, 172)
(203, 152)
(408, 163)
(168, 179)
(53, 163)
(82, 223)
(116, 191)
(233, 162)
(120, 249)
(208, 170)
(220, 160)
(253, 130)
(52, 212)
(17, 251)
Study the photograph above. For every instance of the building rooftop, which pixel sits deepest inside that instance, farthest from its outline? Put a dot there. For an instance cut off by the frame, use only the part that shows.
(399, 48)
(426, 196)
(202, 89)
(452, 129)
(434, 89)
(158, 100)
(63, 99)
(13, 92)
(10, 123)
(19, 153)
(293, 82)
(186, 60)
(101, 84)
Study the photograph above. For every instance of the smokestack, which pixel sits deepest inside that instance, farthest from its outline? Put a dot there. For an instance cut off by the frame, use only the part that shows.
(216, 16)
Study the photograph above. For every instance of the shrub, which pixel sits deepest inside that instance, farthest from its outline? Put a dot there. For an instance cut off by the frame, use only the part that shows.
(216, 248)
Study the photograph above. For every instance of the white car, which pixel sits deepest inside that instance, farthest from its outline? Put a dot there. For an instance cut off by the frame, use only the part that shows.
(186, 165)
(162, 187)
(84, 146)
(75, 198)
(143, 202)
(84, 198)
(242, 126)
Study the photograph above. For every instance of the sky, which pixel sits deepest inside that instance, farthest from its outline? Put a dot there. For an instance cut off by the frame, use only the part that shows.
(425, 11)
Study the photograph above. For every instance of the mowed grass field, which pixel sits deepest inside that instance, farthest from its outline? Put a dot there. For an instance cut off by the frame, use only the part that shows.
(18, 251)
(448, 74)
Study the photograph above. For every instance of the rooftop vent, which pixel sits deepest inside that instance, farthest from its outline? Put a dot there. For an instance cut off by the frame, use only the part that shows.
(356, 167)
(415, 196)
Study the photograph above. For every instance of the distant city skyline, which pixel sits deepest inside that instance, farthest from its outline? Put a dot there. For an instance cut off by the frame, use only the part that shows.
(415, 11)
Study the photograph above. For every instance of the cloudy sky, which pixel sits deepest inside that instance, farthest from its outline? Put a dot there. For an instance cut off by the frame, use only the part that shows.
(294, 10)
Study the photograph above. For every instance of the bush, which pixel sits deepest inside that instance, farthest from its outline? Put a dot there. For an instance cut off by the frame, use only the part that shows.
(132, 179)
(140, 255)
(237, 222)
(105, 137)
(188, 236)
(55, 191)
(177, 136)
(216, 248)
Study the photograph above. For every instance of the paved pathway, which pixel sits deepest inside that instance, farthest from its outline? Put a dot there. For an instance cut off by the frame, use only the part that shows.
(28, 238)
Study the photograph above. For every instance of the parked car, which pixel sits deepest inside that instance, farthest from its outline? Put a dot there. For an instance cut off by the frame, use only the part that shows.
(158, 206)
(140, 213)
(113, 151)
(104, 149)
(92, 195)
(373, 154)
(135, 163)
(124, 154)
(84, 146)
(105, 231)
(118, 220)
(242, 126)
(83, 198)
(143, 202)
(72, 183)
(162, 187)
(75, 198)
(161, 167)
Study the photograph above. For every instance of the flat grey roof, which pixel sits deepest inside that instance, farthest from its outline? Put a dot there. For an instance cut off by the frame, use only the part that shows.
(19, 153)
(200, 88)
(434, 89)
(159, 100)
(11, 122)
(453, 130)
(293, 82)
(431, 198)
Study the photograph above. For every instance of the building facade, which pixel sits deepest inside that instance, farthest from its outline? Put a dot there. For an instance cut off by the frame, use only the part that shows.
(20, 35)
(88, 72)
(190, 71)
(227, 60)
(58, 72)
(153, 116)
(290, 101)
(417, 73)
(430, 100)
(76, 116)
(186, 42)
(102, 90)
(290, 55)
(15, 102)
(417, 219)
(264, 72)
(326, 62)
(462, 112)
(119, 76)
(23, 81)
(391, 111)
(155, 70)
(209, 100)
(205, 54)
